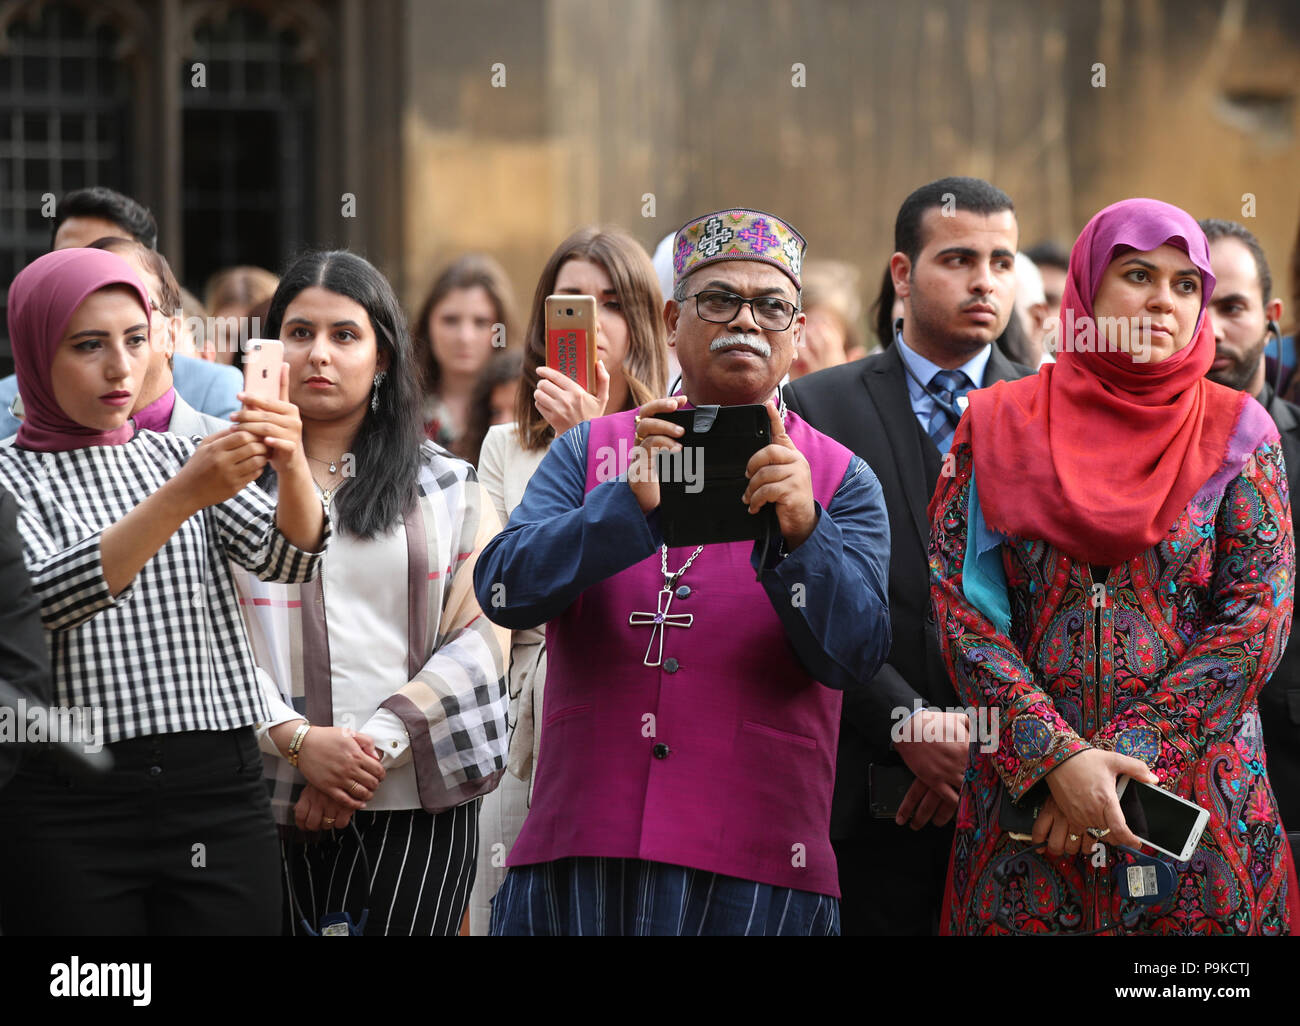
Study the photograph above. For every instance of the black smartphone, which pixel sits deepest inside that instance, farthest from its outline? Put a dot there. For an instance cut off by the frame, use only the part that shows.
(701, 485)
(888, 786)
(1018, 818)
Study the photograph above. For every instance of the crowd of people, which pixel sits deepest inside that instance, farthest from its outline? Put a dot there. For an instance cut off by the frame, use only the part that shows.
(401, 645)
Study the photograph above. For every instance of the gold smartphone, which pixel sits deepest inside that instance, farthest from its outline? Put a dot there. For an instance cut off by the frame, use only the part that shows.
(571, 338)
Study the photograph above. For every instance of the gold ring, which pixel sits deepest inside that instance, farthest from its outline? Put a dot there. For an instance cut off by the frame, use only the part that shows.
(356, 784)
(329, 821)
(1098, 833)
(1074, 837)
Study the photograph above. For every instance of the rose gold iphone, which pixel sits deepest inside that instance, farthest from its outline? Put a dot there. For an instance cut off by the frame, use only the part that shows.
(262, 363)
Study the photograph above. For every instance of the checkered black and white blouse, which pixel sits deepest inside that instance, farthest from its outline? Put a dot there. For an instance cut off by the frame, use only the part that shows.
(169, 653)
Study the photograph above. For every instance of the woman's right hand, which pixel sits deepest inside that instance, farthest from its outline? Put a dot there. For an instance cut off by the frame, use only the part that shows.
(564, 403)
(1084, 790)
(221, 467)
(336, 760)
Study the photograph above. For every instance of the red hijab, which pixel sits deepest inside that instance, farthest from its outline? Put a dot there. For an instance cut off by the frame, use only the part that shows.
(42, 300)
(1097, 454)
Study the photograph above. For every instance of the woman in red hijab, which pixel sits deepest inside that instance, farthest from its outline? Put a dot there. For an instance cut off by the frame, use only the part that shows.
(127, 535)
(1111, 565)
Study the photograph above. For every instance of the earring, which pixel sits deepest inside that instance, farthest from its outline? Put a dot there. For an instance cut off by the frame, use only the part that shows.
(374, 392)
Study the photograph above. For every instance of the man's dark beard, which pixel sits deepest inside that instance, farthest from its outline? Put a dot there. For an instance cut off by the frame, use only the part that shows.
(1237, 375)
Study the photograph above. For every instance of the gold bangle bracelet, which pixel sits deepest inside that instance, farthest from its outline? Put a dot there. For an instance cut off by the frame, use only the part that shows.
(295, 743)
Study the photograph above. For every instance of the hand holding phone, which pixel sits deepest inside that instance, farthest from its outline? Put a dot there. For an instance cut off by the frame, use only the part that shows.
(266, 412)
(654, 433)
(779, 474)
(563, 403)
(1085, 791)
(701, 485)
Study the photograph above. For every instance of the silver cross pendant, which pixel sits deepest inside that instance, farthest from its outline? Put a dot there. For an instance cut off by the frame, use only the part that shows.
(660, 620)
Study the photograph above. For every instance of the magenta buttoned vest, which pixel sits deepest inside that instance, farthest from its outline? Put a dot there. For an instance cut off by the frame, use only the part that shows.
(720, 759)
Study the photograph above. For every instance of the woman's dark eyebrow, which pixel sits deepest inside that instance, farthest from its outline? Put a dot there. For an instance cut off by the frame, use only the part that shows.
(101, 333)
(1186, 271)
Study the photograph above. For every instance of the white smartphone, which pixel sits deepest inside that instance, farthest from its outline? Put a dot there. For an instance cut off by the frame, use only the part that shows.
(1164, 821)
(262, 360)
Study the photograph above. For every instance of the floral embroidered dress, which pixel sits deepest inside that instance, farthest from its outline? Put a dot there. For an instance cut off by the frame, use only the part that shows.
(1163, 662)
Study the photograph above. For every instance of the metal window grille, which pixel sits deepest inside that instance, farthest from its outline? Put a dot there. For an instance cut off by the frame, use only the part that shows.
(65, 105)
(248, 157)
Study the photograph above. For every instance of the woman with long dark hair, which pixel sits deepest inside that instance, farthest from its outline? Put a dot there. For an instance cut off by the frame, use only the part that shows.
(127, 536)
(385, 681)
(631, 342)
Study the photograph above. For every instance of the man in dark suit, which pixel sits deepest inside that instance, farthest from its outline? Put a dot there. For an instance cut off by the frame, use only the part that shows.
(1244, 313)
(955, 242)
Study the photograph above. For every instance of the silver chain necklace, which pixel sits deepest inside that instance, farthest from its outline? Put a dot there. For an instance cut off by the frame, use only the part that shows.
(332, 464)
(660, 620)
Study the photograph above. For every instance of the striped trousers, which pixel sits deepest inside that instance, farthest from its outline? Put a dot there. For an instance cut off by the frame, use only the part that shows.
(421, 871)
(619, 897)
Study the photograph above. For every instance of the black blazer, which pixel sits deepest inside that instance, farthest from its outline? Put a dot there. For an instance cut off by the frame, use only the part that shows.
(24, 659)
(865, 406)
(1279, 701)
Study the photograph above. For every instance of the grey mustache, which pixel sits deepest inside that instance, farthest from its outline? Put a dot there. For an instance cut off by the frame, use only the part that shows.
(758, 345)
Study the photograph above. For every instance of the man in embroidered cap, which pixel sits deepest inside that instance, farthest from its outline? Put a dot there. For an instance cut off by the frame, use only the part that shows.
(685, 788)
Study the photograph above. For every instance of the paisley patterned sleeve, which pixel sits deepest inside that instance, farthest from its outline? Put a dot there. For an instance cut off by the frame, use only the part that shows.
(1201, 698)
(986, 667)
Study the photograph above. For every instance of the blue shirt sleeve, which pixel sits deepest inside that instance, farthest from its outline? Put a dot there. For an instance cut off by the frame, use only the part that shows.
(831, 593)
(561, 539)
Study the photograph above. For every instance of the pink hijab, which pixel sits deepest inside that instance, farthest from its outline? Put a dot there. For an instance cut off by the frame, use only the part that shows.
(1098, 454)
(42, 300)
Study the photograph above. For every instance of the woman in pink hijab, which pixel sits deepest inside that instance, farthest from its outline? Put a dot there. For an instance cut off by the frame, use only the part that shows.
(1112, 568)
(127, 535)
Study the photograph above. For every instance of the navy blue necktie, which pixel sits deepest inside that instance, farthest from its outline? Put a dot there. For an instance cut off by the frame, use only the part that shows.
(948, 385)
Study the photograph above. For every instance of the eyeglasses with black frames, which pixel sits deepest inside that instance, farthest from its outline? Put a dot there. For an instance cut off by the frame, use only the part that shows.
(771, 313)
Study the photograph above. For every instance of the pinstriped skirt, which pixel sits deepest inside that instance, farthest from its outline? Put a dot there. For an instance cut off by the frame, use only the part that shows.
(631, 897)
(421, 871)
